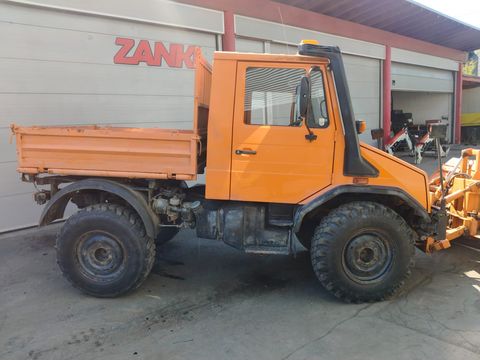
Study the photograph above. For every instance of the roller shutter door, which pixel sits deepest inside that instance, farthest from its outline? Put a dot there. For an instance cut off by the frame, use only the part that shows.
(407, 77)
(425, 92)
(249, 45)
(57, 67)
(363, 76)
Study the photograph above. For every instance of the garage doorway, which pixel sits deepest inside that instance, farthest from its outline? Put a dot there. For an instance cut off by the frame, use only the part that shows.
(423, 106)
(425, 93)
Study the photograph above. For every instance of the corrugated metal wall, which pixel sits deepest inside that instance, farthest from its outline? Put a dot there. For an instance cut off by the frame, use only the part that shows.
(57, 67)
(363, 75)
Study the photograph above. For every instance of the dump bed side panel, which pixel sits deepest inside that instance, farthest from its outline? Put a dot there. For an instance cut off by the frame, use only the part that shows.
(104, 151)
(146, 153)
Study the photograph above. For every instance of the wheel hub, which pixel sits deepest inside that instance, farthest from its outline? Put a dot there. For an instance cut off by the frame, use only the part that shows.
(99, 254)
(367, 257)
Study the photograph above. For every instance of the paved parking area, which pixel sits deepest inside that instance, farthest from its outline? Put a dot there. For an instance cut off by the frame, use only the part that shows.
(205, 300)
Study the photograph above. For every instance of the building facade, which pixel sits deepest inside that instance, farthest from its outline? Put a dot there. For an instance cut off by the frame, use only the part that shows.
(129, 63)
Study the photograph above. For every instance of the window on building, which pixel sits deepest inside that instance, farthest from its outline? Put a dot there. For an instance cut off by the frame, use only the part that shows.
(270, 96)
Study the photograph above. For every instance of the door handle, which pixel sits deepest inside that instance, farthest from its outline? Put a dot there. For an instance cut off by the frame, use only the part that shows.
(245, 152)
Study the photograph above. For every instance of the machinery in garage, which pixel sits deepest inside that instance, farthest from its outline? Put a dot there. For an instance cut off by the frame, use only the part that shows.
(413, 139)
(278, 138)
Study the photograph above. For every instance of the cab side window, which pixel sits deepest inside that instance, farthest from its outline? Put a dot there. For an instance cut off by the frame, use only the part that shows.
(317, 115)
(270, 95)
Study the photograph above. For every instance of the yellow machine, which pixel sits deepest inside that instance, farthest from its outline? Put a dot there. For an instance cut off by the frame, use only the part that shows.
(456, 193)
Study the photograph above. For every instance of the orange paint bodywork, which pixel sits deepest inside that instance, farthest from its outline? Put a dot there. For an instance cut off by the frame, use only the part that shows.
(106, 151)
(287, 168)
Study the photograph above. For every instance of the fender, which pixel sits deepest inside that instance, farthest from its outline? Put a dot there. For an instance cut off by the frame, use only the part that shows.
(302, 211)
(55, 208)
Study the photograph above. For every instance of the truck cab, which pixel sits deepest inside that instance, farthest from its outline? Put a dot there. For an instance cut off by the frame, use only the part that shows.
(261, 148)
(277, 138)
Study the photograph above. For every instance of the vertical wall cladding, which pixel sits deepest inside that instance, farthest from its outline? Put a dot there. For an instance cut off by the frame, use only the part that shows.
(363, 76)
(470, 103)
(63, 67)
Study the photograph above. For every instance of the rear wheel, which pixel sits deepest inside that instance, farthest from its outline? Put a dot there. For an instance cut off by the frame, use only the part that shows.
(104, 250)
(363, 251)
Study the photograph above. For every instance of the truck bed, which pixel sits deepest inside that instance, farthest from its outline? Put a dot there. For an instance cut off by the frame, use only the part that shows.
(108, 151)
(144, 153)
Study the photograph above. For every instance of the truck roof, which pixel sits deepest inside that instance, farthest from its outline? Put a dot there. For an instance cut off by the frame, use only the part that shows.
(241, 56)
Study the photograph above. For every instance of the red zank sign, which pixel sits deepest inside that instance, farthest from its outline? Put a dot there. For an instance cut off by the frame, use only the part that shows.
(156, 55)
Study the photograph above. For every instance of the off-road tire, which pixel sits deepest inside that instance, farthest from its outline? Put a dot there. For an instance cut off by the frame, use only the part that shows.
(338, 249)
(104, 250)
(306, 243)
(166, 234)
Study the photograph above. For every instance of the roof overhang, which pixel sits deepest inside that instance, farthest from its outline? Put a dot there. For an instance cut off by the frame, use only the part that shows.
(403, 17)
(469, 82)
(290, 13)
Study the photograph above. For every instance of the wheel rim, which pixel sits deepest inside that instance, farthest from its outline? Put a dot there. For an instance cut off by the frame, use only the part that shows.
(100, 255)
(367, 257)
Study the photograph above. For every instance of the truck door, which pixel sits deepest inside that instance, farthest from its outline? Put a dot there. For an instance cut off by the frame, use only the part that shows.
(272, 160)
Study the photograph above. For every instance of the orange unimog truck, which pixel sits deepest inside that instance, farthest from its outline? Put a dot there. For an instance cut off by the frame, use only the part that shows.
(277, 138)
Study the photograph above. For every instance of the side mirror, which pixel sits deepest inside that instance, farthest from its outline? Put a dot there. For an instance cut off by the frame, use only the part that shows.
(303, 96)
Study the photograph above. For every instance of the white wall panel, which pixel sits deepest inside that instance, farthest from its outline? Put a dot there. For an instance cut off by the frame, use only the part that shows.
(416, 58)
(57, 68)
(153, 11)
(407, 77)
(277, 48)
(471, 101)
(19, 211)
(249, 45)
(125, 110)
(363, 76)
(50, 77)
(279, 33)
(85, 46)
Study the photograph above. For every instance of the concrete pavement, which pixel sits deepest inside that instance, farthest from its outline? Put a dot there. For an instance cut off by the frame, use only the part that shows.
(207, 301)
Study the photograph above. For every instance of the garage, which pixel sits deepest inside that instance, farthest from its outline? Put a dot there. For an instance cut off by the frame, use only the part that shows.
(423, 88)
(65, 66)
(426, 93)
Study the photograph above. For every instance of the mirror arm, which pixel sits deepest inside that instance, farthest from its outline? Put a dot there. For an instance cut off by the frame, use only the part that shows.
(310, 136)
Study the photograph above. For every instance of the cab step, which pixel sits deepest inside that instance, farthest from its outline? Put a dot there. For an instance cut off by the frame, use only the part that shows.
(268, 250)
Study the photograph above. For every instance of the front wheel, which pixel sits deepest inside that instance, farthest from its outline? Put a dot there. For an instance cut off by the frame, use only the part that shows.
(363, 251)
(104, 250)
